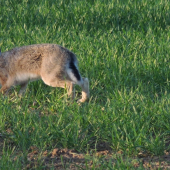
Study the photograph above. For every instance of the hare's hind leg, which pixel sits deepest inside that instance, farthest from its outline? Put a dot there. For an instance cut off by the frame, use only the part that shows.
(23, 88)
(6, 84)
(4, 89)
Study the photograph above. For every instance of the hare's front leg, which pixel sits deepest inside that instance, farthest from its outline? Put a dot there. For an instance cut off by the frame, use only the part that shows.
(61, 83)
(85, 90)
(71, 90)
(69, 87)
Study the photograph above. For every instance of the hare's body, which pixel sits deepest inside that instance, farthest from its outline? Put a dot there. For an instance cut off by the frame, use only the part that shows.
(55, 65)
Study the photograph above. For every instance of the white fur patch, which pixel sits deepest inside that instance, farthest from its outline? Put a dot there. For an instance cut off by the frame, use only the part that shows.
(22, 77)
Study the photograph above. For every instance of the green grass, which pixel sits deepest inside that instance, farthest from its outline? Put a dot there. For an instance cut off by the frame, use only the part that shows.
(123, 47)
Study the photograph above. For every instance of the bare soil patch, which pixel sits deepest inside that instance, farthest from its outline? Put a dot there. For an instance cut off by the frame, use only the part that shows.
(58, 158)
(70, 159)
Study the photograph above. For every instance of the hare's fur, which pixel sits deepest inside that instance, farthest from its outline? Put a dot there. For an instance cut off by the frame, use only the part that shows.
(55, 65)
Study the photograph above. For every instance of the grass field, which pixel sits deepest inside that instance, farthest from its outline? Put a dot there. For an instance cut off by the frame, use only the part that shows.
(123, 47)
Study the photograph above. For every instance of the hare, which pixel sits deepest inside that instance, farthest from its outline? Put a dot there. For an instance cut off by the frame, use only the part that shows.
(55, 65)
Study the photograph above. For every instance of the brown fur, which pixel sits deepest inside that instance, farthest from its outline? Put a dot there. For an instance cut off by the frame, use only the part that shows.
(49, 62)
